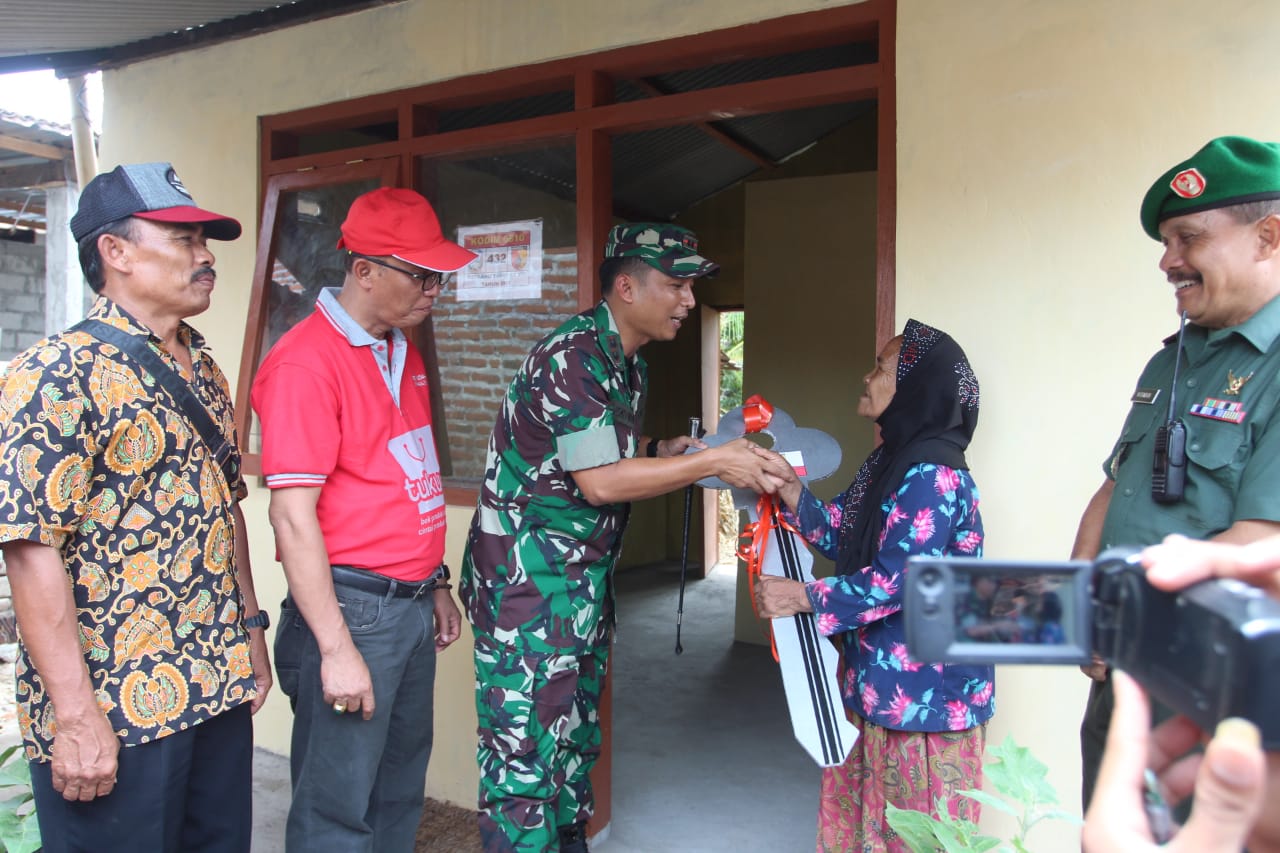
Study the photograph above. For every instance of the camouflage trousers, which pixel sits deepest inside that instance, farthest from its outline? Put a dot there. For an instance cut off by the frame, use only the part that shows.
(539, 731)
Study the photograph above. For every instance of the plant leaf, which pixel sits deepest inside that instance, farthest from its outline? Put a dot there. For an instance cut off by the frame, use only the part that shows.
(915, 828)
(1019, 775)
(991, 800)
(1059, 814)
(15, 773)
(23, 836)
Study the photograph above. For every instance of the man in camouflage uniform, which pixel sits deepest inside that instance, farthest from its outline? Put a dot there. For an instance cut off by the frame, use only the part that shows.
(565, 458)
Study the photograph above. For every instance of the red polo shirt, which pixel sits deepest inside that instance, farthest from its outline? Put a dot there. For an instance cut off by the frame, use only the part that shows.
(329, 421)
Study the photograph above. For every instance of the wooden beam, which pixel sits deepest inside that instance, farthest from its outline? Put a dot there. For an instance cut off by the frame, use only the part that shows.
(34, 175)
(595, 185)
(719, 134)
(797, 91)
(887, 181)
(35, 149)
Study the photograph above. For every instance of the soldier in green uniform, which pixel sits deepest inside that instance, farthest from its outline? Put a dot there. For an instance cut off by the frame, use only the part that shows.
(565, 458)
(1218, 216)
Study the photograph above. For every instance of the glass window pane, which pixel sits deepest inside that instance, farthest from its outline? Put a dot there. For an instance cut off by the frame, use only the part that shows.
(480, 343)
(305, 239)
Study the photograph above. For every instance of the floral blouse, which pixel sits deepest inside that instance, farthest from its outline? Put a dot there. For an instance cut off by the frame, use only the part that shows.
(935, 513)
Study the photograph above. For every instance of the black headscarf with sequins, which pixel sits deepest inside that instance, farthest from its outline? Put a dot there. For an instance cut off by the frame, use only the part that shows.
(931, 418)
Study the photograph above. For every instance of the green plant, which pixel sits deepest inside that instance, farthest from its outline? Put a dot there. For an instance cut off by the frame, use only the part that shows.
(19, 832)
(732, 337)
(1026, 794)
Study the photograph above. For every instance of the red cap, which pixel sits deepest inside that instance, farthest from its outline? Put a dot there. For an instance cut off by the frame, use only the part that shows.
(401, 224)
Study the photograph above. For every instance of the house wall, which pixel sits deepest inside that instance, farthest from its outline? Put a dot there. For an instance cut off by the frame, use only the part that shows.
(1027, 133)
(21, 297)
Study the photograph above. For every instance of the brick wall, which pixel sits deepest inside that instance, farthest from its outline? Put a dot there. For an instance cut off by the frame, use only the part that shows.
(21, 297)
(480, 346)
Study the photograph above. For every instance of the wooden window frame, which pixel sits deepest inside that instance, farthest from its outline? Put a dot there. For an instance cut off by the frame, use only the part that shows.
(590, 126)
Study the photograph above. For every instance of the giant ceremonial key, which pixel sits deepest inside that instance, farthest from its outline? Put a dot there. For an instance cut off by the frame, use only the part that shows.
(809, 662)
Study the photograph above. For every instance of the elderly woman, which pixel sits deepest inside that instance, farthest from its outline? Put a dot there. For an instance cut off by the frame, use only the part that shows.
(923, 727)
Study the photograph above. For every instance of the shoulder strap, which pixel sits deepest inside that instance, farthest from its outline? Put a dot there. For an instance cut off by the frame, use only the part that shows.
(224, 452)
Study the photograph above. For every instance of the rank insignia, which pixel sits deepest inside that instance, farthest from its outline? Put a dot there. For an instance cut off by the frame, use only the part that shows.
(1219, 410)
(1235, 383)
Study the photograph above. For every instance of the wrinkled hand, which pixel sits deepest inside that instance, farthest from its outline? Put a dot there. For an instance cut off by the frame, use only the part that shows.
(678, 445)
(85, 753)
(1097, 670)
(345, 678)
(1228, 781)
(260, 659)
(777, 597)
(447, 619)
(781, 475)
(739, 466)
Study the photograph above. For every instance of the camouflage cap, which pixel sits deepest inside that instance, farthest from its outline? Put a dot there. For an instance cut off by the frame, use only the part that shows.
(663, 246)
(1229, 170)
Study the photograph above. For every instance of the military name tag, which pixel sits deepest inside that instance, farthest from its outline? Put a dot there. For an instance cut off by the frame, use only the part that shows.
(1145, 396)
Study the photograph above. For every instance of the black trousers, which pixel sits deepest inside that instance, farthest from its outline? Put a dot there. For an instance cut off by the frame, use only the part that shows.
(189, 792)
(1093, 735)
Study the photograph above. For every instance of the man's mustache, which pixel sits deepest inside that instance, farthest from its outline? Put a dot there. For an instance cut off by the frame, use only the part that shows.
(202, 272)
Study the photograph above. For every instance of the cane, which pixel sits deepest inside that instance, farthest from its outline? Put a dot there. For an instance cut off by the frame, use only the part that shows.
(695, 428)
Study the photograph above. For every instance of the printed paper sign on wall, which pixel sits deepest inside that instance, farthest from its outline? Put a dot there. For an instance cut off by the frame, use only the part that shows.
(510, 262)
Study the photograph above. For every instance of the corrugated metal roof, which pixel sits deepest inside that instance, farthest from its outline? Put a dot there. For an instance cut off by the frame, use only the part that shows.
(79, 35)
(60, 25)
(24, 176)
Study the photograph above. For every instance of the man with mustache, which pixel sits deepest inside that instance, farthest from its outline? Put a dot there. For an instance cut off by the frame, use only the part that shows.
(142, 652)
(566, 457)
(358, 510)
(1217, 215)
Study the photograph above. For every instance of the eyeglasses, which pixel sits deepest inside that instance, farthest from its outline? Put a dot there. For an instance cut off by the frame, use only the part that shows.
(429, 279)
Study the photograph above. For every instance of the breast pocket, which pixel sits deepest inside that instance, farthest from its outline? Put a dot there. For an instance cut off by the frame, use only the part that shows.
(1142, 421)
(1217, 453)
(1215, 445)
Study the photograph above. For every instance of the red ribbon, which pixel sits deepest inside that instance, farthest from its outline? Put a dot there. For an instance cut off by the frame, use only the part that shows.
(757, 412)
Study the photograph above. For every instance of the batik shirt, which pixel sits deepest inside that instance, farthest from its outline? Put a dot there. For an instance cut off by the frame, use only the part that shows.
(98, 462)
(933, 513)
(539, 558)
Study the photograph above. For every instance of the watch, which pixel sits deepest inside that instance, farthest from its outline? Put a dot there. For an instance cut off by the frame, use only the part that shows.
(258, 620)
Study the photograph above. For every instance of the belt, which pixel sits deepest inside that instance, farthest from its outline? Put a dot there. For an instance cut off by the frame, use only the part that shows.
(368, 581)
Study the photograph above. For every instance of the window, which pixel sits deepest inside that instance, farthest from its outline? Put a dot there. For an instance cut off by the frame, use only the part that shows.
(538, 143)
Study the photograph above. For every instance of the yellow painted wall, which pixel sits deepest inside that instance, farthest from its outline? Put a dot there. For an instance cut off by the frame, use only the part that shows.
(200, 111)
(1027, 132)
(810, 326)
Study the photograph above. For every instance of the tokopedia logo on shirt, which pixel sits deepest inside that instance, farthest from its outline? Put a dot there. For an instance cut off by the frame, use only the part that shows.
(419, 379)
(415, 451)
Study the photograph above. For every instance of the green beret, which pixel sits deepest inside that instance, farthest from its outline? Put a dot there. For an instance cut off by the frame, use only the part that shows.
(661, 245)
(1229, 170)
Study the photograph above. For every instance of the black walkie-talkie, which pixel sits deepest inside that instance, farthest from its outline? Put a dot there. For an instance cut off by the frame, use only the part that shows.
(1169, 465)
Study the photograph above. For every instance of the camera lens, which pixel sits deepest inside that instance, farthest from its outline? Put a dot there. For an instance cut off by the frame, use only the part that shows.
(930, 582)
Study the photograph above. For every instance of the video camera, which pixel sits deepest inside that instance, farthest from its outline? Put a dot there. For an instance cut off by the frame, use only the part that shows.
(1209, 651)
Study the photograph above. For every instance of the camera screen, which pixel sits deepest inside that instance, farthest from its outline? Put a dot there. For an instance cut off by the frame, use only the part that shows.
(1023, 608)
(966, 610)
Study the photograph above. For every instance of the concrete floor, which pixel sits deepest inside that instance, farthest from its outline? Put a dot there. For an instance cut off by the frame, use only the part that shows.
(703, 756)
